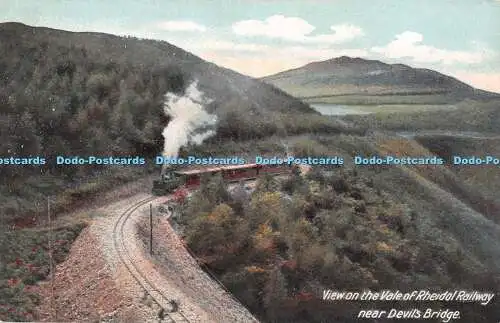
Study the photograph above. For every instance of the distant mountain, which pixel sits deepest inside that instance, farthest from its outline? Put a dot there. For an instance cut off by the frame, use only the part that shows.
(349, 77)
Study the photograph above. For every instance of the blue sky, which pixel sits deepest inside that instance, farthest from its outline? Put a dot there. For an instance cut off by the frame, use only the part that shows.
(262, 37)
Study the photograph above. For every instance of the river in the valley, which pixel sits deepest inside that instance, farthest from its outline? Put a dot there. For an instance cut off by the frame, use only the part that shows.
(336, 109)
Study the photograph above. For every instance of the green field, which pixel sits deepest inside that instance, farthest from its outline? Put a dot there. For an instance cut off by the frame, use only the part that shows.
(396, 108)
(468, 116)
(401, 108)
(432, 99)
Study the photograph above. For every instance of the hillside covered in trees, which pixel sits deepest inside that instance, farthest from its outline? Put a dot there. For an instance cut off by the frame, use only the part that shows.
(64, 93)
(347, 229)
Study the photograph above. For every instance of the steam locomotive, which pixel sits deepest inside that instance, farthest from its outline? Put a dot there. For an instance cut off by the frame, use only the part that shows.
(174, 179)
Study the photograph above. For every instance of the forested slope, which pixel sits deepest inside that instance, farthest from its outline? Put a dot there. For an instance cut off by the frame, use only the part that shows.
(64, 93)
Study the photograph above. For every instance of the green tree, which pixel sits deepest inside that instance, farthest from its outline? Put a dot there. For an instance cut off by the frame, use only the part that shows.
(267, 183)
(215, 189)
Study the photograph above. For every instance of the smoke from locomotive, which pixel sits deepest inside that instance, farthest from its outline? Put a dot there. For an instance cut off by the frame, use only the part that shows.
(190, 123)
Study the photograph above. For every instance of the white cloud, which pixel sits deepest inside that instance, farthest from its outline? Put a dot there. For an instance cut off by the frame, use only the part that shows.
(341, 33)
(181, 25)
(409, 45)
(276, 26)
(294, 29)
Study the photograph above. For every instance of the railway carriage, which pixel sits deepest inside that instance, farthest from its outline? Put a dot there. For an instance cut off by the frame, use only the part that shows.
(190, 178)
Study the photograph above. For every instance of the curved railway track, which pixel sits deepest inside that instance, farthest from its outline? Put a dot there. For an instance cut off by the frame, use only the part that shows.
(163, 301)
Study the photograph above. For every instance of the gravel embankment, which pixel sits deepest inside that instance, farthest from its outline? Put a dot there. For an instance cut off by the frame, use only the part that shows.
(93, 283)
(181, 269)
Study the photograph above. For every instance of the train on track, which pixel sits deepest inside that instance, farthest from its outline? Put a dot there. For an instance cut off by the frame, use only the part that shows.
(174, 179)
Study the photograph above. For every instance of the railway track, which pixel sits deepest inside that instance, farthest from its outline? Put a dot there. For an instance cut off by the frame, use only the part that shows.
(168, 312)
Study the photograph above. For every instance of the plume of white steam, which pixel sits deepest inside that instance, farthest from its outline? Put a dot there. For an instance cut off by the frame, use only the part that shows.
(285, 147)
(190, 123)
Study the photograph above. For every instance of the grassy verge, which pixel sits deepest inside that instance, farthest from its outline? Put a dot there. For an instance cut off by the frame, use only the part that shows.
(24, 262)
(23, 201)
(24, 258)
